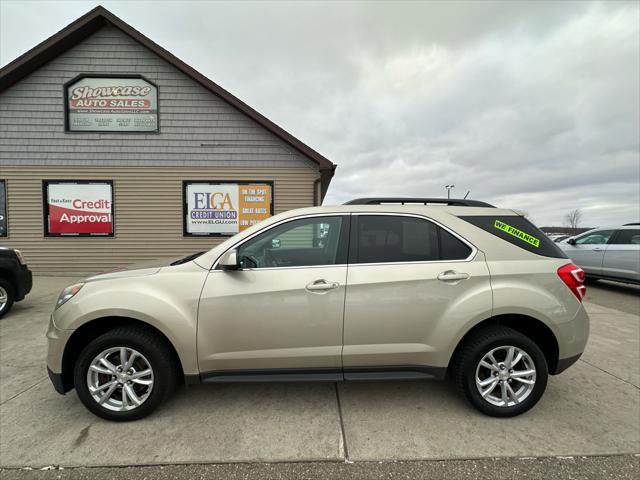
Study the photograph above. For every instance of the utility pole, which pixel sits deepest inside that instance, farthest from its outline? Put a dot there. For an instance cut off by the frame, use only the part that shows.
(449, 187)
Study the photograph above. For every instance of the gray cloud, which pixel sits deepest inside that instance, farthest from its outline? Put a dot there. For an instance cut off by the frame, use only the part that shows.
(530, 105)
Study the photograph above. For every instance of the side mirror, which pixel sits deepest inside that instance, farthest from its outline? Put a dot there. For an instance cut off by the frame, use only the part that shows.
(571, 241)
(229, 260)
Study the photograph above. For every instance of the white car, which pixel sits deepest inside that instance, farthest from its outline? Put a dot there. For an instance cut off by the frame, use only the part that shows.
(611, 253)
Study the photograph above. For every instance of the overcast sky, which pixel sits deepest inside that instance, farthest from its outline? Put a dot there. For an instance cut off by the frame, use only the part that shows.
(534, 106)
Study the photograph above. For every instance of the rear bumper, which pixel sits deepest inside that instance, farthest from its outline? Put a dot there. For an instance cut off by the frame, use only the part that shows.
(572, 340)
(565, 363)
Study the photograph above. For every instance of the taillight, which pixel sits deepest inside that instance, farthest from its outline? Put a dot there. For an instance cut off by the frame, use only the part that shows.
(573, 277)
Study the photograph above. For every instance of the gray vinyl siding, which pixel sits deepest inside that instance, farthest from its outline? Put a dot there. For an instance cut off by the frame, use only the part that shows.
(32, 117)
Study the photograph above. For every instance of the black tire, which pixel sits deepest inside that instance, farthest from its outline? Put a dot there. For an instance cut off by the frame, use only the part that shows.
(154, 348)
(11, 295)
(476, 347)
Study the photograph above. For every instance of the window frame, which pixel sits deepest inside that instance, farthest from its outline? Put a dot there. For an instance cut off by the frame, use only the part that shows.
(353, 243)
(343, 243)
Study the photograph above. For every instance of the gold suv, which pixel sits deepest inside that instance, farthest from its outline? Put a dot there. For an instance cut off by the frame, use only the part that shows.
(377, 289)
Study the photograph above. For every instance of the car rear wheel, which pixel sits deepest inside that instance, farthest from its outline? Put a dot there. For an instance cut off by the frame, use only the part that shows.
(501, 372)
(125, 374)
(7, 296)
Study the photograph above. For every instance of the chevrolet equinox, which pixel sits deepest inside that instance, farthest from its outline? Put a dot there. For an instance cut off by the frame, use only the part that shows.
(376, 289)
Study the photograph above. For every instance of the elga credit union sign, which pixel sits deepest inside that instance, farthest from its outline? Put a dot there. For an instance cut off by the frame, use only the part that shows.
(79, 208)
(225, 208)
(112, 104)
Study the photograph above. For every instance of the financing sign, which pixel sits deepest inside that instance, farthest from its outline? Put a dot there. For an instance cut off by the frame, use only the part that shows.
(225, 208)
(79, 208)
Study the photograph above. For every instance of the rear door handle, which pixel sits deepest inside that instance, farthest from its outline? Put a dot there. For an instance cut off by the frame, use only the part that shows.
(452, 276)
(598, 249)
(322, 285)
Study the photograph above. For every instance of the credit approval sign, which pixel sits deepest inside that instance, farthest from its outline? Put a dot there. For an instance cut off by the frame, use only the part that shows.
(111, 104)
(82, 208)
(225, 208)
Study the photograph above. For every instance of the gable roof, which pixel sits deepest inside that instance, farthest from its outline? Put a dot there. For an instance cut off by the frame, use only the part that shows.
(99, 17)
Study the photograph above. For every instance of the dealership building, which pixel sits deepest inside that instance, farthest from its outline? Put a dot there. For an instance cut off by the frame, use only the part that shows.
(113, 151)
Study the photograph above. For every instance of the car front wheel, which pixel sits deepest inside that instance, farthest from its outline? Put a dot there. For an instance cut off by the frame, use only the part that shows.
(6, 296)
(501, 372)
(124, 374)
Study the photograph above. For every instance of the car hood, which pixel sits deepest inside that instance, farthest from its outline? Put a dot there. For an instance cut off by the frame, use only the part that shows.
(134, 270)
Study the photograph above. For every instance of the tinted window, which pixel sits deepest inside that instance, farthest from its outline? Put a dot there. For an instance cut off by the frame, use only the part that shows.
(595, 238)
(387, 238)
(303, 242)
(452, 248)
(518, 231)
(627, 237)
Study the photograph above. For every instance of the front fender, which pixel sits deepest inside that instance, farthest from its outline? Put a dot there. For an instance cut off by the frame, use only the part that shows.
(167, 301)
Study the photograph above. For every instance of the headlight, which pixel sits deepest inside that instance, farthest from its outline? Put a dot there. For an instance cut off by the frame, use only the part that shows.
(68, 293)
(20, 257)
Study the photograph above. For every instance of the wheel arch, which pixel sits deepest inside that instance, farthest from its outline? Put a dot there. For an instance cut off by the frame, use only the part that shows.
(529, 326)
(96, 327)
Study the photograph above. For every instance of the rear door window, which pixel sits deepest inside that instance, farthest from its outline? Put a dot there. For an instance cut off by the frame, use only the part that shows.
(395, 238)
(630, 236)
(518, 231)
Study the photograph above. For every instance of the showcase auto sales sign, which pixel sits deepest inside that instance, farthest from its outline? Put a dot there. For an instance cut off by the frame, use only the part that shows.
(79, 209)
(112, 104)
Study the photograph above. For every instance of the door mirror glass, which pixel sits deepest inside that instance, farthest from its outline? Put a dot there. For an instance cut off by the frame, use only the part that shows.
(229, 260)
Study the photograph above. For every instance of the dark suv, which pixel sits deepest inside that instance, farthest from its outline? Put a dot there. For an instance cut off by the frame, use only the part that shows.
(15, 278)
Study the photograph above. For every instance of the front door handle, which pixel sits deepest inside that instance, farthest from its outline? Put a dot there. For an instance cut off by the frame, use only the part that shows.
(452, 276)
(322, 285)
(598, 249)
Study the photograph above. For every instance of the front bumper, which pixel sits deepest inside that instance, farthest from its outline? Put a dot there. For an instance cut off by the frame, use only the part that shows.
(24, 282)
(56, 379)
(56, 341)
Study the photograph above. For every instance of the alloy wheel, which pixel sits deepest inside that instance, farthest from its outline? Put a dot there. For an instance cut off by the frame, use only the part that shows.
(505, 376)
(120, 379)
(4, 298)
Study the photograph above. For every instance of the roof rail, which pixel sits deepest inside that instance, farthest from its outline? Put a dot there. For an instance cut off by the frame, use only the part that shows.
(456, 202)
(630, 224)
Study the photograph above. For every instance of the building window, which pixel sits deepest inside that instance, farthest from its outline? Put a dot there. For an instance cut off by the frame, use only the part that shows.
(4, 221)
(78, 208)
(125, 104)
(224, 208)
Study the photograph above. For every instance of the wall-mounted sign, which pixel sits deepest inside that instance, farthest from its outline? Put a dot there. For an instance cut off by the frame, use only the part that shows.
(78, 208)
(225, 208)
(111, 104)
(3, 209)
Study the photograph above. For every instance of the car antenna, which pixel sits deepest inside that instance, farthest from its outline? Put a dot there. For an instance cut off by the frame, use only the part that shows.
(467, 194)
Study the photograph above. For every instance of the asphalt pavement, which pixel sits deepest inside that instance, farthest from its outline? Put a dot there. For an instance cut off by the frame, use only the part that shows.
(586, 426)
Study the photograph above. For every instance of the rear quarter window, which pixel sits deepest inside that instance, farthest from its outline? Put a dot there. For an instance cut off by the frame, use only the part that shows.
(518, 231)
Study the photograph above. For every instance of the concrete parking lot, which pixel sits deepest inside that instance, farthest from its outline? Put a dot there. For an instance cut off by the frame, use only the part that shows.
(592, 409)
